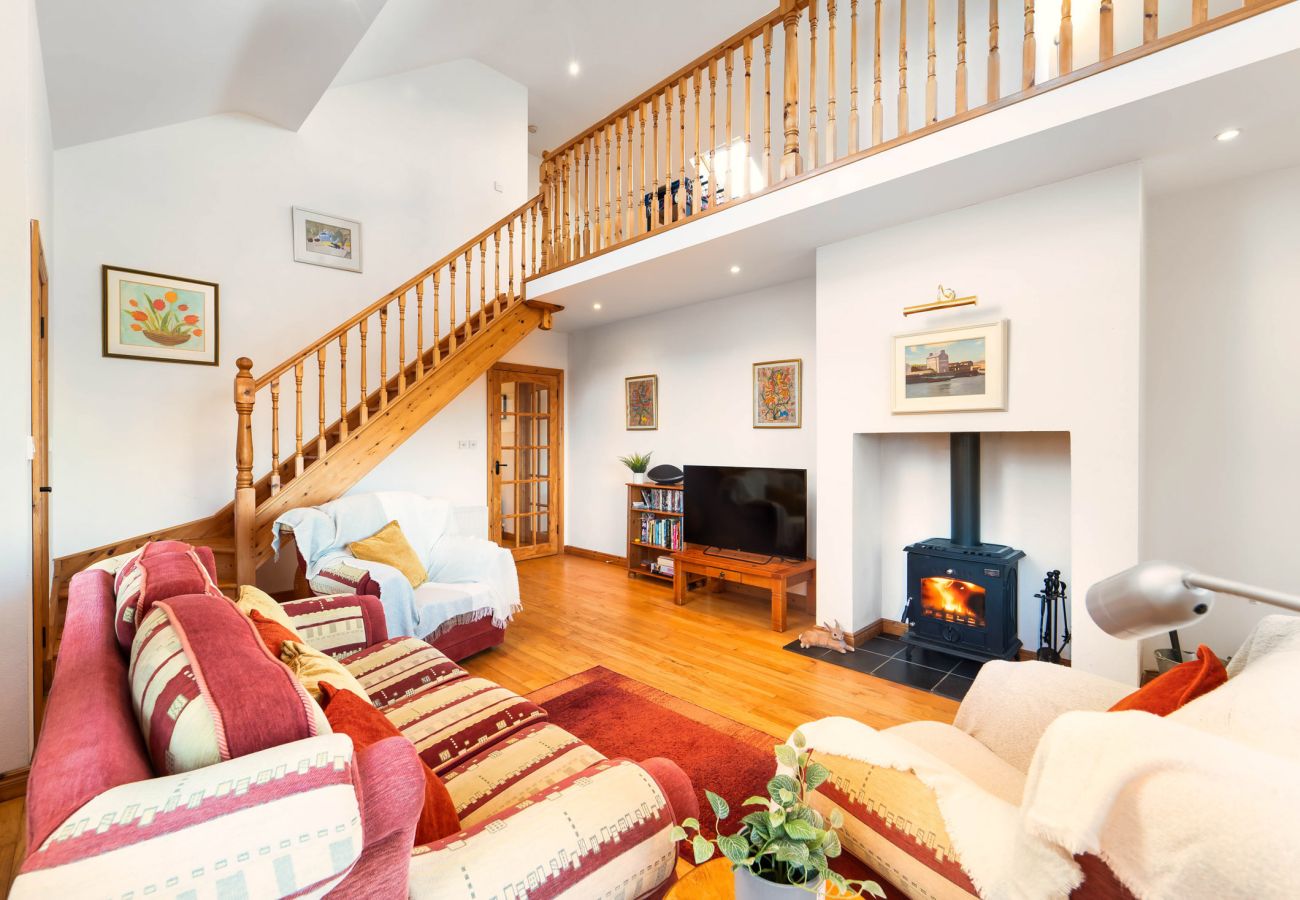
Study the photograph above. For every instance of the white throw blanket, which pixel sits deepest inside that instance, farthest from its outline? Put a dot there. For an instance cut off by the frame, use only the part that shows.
(469, 578)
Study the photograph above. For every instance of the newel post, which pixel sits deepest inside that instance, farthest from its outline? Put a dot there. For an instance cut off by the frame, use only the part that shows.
(245, 495)
(544, 178)
(791, 162)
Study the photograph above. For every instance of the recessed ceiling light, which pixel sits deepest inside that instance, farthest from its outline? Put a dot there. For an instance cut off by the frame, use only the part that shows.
(1228, 135)
(574, 68)
(735, 270)
(595, 306)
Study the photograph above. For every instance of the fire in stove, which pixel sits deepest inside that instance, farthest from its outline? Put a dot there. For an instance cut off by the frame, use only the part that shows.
(953, 600)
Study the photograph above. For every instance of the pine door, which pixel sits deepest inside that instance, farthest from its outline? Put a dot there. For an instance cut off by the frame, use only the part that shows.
(525, 458)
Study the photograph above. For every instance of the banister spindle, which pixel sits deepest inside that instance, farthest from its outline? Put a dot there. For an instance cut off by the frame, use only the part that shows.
(322, 445)
(1200, 11)
(245, 513)
(343, 386)
(791, 161)
(729, 64)
(543, 174)
(298, 462)
(713, 132)
(1150, 19)
(616, 232)
(654, 150)
(532, 245)
(902, 68)
(364, 413)
(496, 271)
(697, 195)
(437, 338)
(1106, 30)
(510, 258)
(854, 121)
(586, 197)
(877, 103)
(1066, 49)
(640, 223)
(962, 101)
(748, 56)
(613, 194)
(668, 153)
(419, 330)
(451, 306)
(383, 357)
(832, 142)
(813, 151)
(469, 277)
(931, 77)
(627, 228)
(995, 55)
(401, 342)
(566, 247)
(275, 436)
(767, 104)
(1027, 73)
(679, 198)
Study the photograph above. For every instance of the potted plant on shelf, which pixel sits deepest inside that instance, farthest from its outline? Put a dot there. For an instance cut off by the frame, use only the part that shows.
(784, 847)
(638, 463)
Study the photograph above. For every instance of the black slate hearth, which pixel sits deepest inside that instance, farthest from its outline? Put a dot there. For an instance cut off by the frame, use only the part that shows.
(894, 660)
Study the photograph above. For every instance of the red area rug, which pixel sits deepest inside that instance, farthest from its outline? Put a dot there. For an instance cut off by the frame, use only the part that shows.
(621, 717)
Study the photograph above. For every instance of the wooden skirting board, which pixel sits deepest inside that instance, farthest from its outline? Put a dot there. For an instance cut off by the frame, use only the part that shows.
(596, 555)
(14, 784)
(898, 629)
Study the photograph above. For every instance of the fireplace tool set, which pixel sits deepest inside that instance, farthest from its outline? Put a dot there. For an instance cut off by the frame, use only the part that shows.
(1054, 611)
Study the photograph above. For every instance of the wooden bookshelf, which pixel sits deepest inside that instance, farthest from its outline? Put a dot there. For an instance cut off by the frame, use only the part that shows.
(640, 554)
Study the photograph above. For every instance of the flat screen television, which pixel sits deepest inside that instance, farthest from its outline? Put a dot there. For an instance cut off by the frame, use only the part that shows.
(749, 509)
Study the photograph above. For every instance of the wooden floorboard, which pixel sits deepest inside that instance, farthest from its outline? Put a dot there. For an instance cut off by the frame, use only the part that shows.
(717, 651)
(13, 841)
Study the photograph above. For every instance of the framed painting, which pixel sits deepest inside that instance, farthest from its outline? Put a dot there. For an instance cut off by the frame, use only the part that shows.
(160, 317)
(778, 394)
(641, 402)
(953, 370)
(322, 240)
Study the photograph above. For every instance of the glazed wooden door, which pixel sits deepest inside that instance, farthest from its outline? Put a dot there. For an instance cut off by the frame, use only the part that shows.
(43, 619)
(525, 459)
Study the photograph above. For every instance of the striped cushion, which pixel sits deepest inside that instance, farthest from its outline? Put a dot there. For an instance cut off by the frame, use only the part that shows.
(206, 689)
(453, 721)
(605, 832)
(397, 668)
(337, 625)
(514, 769)
(157, 571)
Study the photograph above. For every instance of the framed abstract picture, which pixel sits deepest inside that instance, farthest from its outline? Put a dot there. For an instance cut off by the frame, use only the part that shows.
(641, 402)
(159, 317)
(322, 240)
(778, 394)
(953, 370)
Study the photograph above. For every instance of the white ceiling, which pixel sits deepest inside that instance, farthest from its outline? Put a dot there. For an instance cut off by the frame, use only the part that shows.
(622, 46)
(117, 66)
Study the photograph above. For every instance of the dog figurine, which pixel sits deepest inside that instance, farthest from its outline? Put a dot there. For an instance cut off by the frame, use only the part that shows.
(826, 635)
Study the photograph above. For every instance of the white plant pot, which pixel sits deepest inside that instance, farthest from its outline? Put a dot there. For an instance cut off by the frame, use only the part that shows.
(751, 887)
(638, 478)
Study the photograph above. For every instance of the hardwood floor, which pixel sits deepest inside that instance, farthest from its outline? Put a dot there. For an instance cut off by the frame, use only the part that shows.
(13, 841)
(717, 651)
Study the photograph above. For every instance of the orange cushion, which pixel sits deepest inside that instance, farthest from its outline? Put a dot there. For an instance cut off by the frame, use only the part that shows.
(1179, 686)
(273, 634)
(349, 714)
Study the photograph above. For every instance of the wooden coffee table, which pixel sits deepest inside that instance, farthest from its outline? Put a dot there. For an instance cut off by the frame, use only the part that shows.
(776, 577)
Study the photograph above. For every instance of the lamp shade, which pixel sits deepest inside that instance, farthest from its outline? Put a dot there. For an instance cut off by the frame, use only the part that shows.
(1150, 598)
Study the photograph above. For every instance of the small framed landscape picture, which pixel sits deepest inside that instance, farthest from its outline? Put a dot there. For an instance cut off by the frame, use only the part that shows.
(641, 402)
(778, 394)
(159, 317)
(323, 240)
(954, 370)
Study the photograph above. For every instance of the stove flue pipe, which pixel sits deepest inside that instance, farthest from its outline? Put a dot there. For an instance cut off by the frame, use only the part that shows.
(964, 464)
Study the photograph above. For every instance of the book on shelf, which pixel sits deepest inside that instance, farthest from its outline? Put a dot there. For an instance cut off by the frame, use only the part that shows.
(665, 533)
(662, 500)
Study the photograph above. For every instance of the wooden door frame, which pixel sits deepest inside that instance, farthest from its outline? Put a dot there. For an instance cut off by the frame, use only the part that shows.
(42, 624)
(555, 510)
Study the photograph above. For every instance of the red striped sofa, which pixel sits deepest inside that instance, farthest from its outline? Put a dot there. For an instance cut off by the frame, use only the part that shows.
(543, 814)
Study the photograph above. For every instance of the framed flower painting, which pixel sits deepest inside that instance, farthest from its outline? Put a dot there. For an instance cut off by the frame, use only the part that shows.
(778, 394)
(641, 402)
(159, 317)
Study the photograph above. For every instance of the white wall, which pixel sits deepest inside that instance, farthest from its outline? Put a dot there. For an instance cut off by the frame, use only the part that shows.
(142, 445)
(703, 356)
(1222, 415)
(24, 195)
(1063, 264)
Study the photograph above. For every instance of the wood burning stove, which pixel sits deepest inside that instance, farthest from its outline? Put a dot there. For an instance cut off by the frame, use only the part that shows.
(961, 593)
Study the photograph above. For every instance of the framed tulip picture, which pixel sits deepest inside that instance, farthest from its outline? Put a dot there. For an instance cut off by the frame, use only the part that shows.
(159, 317)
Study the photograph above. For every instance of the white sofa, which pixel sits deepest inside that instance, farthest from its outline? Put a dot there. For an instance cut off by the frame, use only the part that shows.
(472, 590)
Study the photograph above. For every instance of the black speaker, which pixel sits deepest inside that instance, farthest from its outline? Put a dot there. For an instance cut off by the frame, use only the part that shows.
(665, 474)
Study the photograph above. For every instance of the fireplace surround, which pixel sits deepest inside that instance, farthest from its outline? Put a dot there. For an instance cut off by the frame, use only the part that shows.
(961, 592)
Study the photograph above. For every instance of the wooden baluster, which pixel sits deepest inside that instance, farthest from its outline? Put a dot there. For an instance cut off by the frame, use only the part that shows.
(654, 146)
(713, 132)
(437, 338)
(813, 150)
(1066, 59)
(931, 78)
(532, 255)
(451, 307)
(679, 198)
(767, 105)
(275, 436)
(1200, 11)
(877, 104)
(617, 232)
(613, 195)
(854, 121)
(245, 493)
(995, 55)
(791, 161)
(962, 93)
(728, 61)
(1150, 19)
(343, 387)
(544, 198)
(510, 258)
(902, 68)
(626, 230)
(748, 56)
(1106, 30)
(419, 329)
(383, 357)
(364, 416)
(496, 271)
(297, 435)
(566, 253)
(401, 342)
(832, 142)
(586, 196)
(668, 153)
(1027, 73)
(469, 277)
(637, 212)
(322, 445)
(696, 191)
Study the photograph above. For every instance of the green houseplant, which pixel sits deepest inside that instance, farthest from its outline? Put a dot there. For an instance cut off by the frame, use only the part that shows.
(784, 846)
(637, 463)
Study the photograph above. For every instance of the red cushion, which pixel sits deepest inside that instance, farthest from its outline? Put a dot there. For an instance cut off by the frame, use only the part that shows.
(349, 714)
(1179, 686)
(272, 633)
(160, 571)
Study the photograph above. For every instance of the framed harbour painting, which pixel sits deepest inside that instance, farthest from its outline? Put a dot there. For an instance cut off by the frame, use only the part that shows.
(953, 370)
(641, 402)
(778, 394)
(322, 240)
(160, 317)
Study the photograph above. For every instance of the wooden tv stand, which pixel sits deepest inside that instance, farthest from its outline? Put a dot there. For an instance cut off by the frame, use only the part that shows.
(776, 576)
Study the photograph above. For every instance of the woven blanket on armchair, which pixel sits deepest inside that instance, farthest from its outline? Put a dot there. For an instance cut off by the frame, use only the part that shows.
(469, 578)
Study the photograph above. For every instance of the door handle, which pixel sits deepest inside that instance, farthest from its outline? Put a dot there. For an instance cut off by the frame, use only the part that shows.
(46, 489)
(498, 466)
